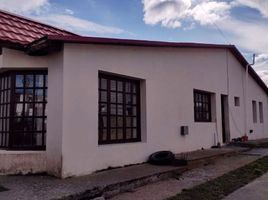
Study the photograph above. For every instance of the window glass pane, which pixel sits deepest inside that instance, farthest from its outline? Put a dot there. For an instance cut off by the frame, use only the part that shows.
(38, 124)
(27, 139)
(134, 122)
(39, 95)
(38, 138)
(120, 134)
(103, 108)
(46, 80)
(19, 80)
(119, 109)
(119, 98)
(38, 109)
(128, 87)
(104, 84)
(104, 134)
(134, 110)
(18, 109)
(134, 133)
(134, 97)
(103, 122)
(128, 99)
(113, 109)
(18, 124)
(28, 124)
(103, 96)
(29, 95)
(46, 95)
(39, 80)
(29, 81)
(113, 97)
(120, 121)
(113, 121)
(128, 122)
(28, 109)
(134, 88)
(119, 86)
(113, 134)
(113, 85)
(128, 133)
(45, 124)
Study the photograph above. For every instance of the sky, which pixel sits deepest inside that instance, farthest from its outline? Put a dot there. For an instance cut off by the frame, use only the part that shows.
(243, 23)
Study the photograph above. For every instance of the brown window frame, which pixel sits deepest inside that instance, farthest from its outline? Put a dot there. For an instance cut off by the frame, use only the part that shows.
(27, 136)
(202, 113)
(121, 121)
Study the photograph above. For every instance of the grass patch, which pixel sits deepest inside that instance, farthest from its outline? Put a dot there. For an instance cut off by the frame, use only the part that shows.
(220, 187)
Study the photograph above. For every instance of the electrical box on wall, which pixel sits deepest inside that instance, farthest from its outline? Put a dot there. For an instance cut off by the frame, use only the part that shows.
(184, 130)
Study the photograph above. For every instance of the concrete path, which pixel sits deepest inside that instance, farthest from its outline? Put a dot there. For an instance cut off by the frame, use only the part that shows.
(168, 188)
(47, 188)
(256, 190)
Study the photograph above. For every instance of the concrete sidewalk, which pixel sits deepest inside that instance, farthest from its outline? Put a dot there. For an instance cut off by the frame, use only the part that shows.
(107, 183)
(256, 190)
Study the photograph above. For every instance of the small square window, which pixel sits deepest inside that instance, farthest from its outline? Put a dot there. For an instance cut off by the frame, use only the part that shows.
(236, 101)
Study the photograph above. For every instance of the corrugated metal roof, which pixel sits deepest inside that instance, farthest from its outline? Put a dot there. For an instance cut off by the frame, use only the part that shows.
(22, 31)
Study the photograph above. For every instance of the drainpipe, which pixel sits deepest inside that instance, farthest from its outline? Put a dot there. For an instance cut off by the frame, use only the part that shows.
(246, 93)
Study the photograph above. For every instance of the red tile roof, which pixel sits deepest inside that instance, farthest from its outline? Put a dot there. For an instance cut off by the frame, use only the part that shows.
(20, 31)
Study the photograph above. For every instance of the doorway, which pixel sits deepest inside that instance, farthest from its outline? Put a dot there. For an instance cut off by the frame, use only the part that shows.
(225, 119)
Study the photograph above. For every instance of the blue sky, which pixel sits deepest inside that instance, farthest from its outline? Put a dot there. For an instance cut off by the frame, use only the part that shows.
(241, 22)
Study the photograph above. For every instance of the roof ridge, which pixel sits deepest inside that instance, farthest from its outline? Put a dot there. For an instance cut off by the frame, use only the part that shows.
(35, 22)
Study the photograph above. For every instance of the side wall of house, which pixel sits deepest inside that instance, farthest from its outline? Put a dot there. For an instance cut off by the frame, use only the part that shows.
(168, 77)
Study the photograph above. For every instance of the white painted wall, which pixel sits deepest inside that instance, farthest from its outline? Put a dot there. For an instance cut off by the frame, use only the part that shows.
(22, 162)
(169, 76)
(13, 59)
(55, 110)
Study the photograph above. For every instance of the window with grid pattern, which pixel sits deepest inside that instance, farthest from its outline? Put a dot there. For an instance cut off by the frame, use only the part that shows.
(119, 109)
(202, 106)
(23, 110)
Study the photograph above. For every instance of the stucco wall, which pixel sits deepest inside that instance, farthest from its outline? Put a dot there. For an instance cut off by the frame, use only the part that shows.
(13, 59)
(169, 76)
(55, 110)
(22, 162)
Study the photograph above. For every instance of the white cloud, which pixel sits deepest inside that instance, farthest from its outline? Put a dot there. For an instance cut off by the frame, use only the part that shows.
(69, 11)
(171, 13)
(166, 12)
(25, 6)
(79, 25)
(209, 12)
(260, 5)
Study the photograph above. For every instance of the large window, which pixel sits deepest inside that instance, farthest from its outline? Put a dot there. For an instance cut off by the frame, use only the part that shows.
(23, 110)
(202, 106)
(119, 109)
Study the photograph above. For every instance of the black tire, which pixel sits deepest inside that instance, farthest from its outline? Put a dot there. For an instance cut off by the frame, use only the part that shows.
(162, 158)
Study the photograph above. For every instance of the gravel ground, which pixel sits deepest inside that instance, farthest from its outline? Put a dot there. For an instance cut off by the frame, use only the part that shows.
(164, 189)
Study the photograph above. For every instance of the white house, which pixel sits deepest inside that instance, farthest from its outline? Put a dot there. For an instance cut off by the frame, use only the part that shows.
(71, 105)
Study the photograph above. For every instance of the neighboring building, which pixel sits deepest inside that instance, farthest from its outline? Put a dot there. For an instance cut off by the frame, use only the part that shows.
(113, 102)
